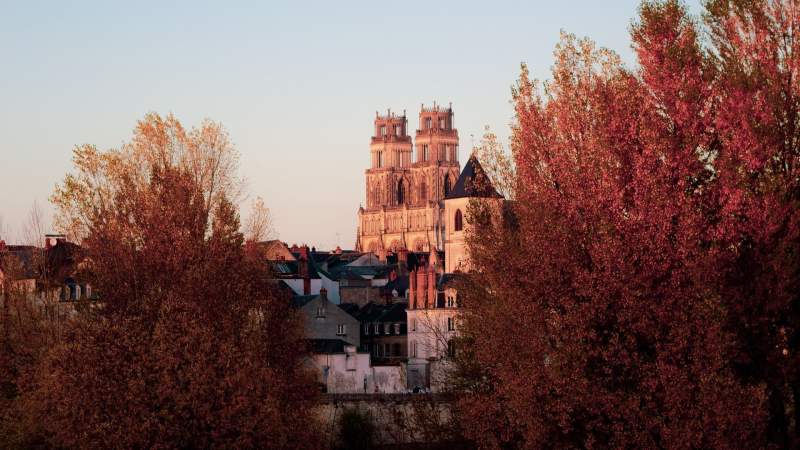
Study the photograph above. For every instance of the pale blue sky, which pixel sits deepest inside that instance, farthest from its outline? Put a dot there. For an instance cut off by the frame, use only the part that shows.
(296, 84)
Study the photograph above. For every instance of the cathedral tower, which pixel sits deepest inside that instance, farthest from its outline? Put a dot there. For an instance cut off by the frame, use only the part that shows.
(405, 191)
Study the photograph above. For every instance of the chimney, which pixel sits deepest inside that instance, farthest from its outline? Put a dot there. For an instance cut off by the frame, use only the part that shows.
(51, 240)
(431, 287)
(412, 290)
(402, 261)
(422, 291)
(382, 255)
(302, 269)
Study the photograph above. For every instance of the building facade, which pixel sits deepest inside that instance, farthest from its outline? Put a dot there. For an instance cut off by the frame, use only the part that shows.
(407, 182)
(433, 305)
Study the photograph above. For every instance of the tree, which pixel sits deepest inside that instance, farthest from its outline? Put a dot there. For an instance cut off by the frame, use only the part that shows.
(32, 321)
(259, 222)
(192, 346)
(755, 50)
(498, 164)
(595, 317)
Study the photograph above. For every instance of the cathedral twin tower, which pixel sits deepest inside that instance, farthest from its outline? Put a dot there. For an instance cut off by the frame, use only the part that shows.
(407, 182)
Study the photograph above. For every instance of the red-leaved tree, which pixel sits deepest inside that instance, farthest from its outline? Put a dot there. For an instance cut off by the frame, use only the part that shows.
(639, 291)
(190, 345)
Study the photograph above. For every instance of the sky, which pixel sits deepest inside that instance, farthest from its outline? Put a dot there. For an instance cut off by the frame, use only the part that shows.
(296, 84)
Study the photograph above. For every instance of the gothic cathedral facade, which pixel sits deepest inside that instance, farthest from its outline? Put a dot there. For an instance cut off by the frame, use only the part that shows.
(407, 183)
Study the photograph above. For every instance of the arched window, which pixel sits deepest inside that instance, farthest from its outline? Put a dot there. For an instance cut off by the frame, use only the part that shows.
(459, 222)
(401, 193)
(447, 185)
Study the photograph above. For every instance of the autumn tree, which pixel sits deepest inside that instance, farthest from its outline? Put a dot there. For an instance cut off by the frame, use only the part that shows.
(190, 345)
(258, 226)
(597, 320)
(756, 51)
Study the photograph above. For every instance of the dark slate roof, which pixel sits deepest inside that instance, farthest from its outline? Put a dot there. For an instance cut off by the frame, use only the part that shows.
(25, 255)
(291, 269)
(446, 279)
(399, 284)
(473, 182)
(375, 312)
(327, 346)
(349, 308)
(298, 301)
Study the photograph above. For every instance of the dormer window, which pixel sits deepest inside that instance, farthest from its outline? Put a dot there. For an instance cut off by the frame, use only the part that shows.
(341, 329)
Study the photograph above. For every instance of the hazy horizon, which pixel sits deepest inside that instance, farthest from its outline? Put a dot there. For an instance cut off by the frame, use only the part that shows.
(297, 87)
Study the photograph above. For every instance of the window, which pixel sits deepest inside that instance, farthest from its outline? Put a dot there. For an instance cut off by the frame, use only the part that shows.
(386, 328)
(441, 123)
(398, 130)
(451, 349)
(387, 350)
(377, 328)
(451, 324)
(428, 123)
(383, 130)
(380, 159)
(423, 192)
(401, 193)
(446, 185)
(396, 349)
(451, 301)
(424, 152)
(320, 312)
(459, 221)
(341, 329)
(414, 349)
(397, 328)
(413, 324)
(366, 329)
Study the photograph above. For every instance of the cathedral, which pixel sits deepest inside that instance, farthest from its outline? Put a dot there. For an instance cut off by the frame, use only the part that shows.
(408, 181)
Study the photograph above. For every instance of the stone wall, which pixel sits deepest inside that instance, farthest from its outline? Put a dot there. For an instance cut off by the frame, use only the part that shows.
(398, 418)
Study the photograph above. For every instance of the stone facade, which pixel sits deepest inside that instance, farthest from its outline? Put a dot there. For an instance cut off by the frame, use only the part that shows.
(405, 189)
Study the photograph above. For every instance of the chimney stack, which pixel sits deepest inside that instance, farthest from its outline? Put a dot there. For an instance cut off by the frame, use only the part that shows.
(422, 291)
(402, 261)
(431, 287)
(412, 290)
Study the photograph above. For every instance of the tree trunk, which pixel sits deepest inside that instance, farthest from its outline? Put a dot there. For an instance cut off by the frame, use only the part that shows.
(778, 428)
